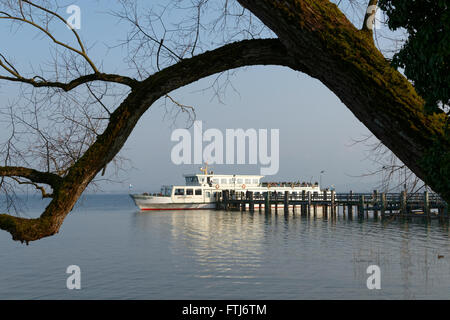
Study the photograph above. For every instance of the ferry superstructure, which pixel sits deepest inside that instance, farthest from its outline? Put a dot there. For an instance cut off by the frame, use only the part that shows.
(200, 191)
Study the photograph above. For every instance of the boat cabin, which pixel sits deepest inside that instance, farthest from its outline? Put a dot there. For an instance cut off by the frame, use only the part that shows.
(223, 180)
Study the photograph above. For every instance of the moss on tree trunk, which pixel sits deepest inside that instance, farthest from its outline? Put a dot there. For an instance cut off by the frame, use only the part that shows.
(322, 41)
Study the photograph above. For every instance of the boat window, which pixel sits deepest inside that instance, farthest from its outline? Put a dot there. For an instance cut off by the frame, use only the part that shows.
(208, 194)
(239, 181)
(192, 179)
(215, 180)
(224, 181)
(248, 181)
(198, 192)
(255, 181)
(189, 192)
(166, 191)
(179, 192)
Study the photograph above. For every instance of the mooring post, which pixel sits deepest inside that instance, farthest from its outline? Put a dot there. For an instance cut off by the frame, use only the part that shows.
(426, 204)
(325, 211)
(251, 205)
(309, 203)
(361, 206)
(267, 206)
(350, 204)
(403, 202)
(366, 207)
(259, 203)
(276, 202)
(325, 204)
(226, 195)
(302, 203)
(286, 202)
(219, 202)
(333, 208)
(375, 203)
(383, 204)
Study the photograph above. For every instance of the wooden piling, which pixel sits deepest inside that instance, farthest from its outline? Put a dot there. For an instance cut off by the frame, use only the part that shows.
(286, 202)
(226, 196)
(309, 203)
(276, 202)
(350, 204)
(267, 206)
(403, 203)
(383, 204)
(361, 207)
(251, 205)
(426, 204)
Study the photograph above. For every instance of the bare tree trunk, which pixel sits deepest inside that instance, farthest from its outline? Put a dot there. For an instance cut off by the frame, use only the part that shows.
(322, 41)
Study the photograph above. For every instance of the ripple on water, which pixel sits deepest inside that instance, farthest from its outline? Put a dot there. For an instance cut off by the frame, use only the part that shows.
(125, 254)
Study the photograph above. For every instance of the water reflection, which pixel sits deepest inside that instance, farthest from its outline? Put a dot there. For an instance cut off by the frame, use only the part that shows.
(284, 254)
(226, 255)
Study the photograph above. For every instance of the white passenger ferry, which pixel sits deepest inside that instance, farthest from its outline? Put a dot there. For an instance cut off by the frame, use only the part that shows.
(200, 191)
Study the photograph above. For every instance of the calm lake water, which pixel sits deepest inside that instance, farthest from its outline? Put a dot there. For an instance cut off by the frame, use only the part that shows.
(127, 254)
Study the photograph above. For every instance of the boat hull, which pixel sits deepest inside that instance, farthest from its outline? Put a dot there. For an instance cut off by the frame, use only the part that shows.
(176, 206)
(150, 203)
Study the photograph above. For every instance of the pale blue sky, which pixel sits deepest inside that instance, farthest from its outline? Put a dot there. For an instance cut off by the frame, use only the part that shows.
(316, 129)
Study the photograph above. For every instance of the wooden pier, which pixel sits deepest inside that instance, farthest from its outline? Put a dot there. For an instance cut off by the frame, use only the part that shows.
(426, 205)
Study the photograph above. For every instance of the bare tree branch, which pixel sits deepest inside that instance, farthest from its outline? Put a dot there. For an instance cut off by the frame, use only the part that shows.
(32, 175)
(122, 121)
(74, 83)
